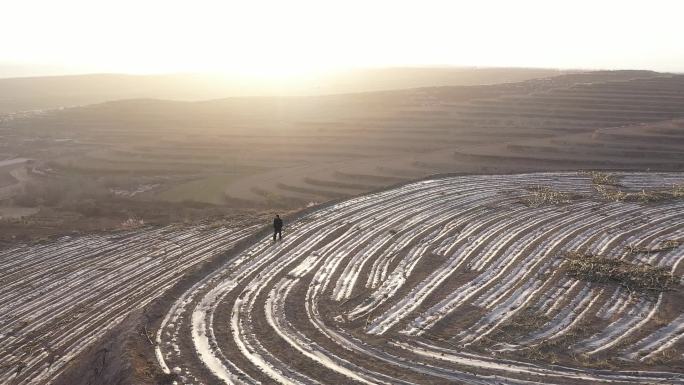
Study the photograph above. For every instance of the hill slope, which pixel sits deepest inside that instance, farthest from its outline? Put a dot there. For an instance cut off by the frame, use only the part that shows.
(288, 151)
(32, 93)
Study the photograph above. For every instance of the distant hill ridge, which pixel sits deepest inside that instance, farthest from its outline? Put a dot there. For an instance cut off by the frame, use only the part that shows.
(31, 93)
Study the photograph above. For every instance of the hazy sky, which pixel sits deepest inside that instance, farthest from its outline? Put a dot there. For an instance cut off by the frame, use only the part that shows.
(282, 37)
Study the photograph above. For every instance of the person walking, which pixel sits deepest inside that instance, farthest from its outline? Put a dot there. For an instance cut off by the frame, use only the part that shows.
(277, 228)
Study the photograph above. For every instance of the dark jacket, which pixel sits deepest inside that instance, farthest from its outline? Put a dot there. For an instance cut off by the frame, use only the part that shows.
(277, 223)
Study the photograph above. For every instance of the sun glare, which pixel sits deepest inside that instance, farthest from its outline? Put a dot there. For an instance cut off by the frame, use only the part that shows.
(278, 39)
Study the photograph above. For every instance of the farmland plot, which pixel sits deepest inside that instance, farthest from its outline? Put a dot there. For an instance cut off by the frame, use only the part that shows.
(455, 280)
(58, 298)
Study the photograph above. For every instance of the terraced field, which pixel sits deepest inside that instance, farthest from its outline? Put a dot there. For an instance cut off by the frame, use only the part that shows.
(58, 298)
(617, 124)
(290, 151)
(455, 280)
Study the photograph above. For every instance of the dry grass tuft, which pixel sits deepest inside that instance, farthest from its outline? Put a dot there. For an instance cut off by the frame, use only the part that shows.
(601, 178)
(607, 185)
(644, 278)
(132, 223)
(542, 195)
(666, 245)
(645, 196)
(611, 194)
